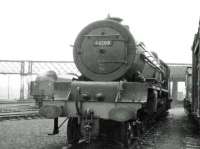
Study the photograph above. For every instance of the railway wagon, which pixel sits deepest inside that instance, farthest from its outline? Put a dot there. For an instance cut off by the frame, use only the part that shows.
(195, 105)
(122, 87)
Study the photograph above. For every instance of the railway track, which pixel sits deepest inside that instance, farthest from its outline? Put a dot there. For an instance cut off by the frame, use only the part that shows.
(18, 110)
(188, 142)
(173, 132)
(17, 106)
(19, 115)
(191, 143)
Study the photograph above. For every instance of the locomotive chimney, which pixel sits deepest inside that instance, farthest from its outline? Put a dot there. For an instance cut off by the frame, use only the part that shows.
(117, 19)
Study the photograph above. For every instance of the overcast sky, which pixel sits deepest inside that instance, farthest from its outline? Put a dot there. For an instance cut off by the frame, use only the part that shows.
(45, 29)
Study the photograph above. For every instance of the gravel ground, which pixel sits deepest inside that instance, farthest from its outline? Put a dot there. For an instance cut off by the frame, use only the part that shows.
(30, 134)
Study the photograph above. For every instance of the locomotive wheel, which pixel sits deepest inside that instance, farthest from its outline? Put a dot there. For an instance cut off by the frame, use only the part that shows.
(73, 131)
(131, 135)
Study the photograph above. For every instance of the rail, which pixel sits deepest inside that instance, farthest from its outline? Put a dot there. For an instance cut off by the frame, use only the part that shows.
(9, 115)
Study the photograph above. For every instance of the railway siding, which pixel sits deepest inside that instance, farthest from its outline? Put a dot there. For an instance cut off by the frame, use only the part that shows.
(18, 110)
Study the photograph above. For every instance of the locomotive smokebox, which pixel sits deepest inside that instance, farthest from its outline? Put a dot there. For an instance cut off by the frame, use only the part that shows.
(104, 50)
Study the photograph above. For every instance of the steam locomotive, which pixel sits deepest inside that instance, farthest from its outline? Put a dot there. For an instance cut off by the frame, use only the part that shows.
(121, 89)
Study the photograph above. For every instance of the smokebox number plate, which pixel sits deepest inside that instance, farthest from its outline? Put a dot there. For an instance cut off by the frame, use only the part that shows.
(103, 43)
